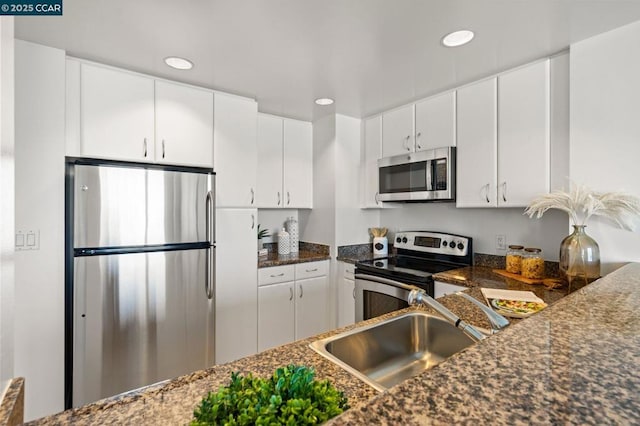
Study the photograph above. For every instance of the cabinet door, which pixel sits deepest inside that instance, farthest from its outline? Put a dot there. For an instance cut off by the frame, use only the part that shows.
(523, 134)
(397, 132)
(346, 302)
(184, 125)
(236, 286)
(270, 168)
(235, 150)
(116, 114)
(298, 164)
(311, 306)
(477, 145)
(436, 122)
(372, 153)
(275, 315)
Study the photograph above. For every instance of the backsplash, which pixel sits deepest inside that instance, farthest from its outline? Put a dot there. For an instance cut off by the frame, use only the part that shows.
(552, 269)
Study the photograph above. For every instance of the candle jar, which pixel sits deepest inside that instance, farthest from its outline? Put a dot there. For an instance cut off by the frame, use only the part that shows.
(514, 259)
(532, 264)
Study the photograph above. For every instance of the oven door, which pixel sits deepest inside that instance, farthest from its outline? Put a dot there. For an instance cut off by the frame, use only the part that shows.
(377, 296)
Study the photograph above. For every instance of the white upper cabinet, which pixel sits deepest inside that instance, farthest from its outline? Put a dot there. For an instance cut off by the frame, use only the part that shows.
(117, 114)
(184, 125)
(131, 117)
(269, 186)
(285, 163)
(436, 122)
(372, 152)
(503, 136)
(235, 150)
(523, 134)
(298, 164)
(477, 145)
(397, 131)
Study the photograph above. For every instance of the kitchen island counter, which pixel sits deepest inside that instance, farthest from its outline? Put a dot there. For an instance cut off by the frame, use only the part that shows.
(567, 364)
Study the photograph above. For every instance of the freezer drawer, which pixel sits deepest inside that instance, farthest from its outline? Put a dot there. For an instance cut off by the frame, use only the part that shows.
(138, 319)
(134, 206)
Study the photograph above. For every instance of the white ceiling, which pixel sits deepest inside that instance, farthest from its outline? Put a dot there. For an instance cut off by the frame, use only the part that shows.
(370, 55)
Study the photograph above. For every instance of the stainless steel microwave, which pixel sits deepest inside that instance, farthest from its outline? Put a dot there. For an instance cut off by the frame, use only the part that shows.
(419, 176)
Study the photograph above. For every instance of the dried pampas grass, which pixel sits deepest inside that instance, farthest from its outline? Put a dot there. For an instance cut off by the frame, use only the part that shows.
(581, 203)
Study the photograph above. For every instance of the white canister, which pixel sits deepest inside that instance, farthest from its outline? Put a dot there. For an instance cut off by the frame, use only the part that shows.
(380, 246)
(292, 228)
(284, 246)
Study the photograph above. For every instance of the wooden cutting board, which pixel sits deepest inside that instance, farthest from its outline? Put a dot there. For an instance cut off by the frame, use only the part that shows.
(549, 282)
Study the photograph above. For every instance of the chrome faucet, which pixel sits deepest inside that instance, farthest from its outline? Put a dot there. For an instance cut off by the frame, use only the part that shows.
(420, 297)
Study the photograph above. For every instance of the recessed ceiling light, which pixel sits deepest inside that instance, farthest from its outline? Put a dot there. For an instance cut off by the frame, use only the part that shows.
(178, 63)
(324, 101)
(457, 38)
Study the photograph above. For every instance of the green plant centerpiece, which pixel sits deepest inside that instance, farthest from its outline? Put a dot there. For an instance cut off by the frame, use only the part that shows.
(291, 396)
(579, 253)
(263, 233)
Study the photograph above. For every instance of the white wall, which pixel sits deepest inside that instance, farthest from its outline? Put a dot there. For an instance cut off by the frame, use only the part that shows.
(352, 223)
(605, 129)
(482, 225)
(7, 195)
(39, 305)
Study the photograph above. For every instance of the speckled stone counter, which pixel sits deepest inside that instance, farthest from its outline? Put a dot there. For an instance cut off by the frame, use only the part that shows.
(12, 406)
(308, 252)
(482, 276)
(576, 362)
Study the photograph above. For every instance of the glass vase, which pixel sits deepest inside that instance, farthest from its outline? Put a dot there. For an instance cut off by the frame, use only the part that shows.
(579, 259)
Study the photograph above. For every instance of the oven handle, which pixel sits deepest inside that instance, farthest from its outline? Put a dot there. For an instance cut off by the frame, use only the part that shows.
(385, 281)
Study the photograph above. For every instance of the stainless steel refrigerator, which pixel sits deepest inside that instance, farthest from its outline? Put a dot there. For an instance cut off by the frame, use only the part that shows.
(140, 276)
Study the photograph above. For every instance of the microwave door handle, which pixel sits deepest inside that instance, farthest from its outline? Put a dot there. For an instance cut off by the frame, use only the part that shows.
(428, 167)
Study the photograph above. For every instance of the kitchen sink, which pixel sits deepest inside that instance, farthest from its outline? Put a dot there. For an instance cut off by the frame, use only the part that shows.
(391, 351)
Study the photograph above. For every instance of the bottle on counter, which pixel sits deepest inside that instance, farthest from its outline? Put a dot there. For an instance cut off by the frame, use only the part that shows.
(533, 264)
(292, 228)
(284, 244)
(514, 259)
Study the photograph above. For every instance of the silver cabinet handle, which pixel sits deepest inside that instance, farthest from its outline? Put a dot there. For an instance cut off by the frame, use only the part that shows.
(288, 198)
(376, 198)
(301, 293)
(406, 144)
(253, 221)
(252, 195)
(279, 275)
(144, 147)
(278, 197)
(486, 192)
(354, 293)
(290, 293)
(311, 270)
(504, 191)
(418, 137)
(162, 148)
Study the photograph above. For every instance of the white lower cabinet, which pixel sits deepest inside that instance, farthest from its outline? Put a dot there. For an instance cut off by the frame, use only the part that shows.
(346, 295)
(236, 292)
(292, 303)
(442, 289)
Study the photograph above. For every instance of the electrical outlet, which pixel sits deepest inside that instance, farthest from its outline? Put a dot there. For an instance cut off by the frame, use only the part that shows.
(501, 242)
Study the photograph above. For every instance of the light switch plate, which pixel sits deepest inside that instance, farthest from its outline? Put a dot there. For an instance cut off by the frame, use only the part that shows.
(28, 239)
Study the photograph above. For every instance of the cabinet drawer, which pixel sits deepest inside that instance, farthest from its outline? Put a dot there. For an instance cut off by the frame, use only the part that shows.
(275, 274)
(311, 269)
(349, 270)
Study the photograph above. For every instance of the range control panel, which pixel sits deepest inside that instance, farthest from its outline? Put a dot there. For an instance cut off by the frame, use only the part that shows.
(432, 242)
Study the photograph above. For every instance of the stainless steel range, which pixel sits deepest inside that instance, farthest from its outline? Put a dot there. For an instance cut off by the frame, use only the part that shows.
(381, 282)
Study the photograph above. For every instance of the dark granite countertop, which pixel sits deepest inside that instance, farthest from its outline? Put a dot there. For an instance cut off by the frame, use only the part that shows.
(567, 364)
(273, 259)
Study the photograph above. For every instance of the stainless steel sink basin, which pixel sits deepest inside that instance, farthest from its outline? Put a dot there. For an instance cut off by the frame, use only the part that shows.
(391, 351)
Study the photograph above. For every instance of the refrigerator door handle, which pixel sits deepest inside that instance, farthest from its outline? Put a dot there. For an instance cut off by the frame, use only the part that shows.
(210, 261)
